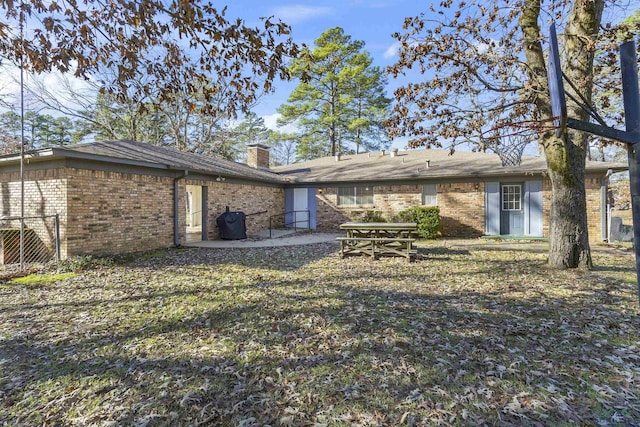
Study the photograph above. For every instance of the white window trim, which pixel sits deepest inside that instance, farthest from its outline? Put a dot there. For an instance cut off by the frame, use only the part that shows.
(514, 201)
(355, 196)
(435, 194)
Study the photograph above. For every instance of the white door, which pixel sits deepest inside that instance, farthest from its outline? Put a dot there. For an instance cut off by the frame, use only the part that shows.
(301, 206)
(193, 199)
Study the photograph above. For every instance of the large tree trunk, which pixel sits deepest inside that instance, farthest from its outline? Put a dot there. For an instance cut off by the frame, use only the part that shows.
(568, 235)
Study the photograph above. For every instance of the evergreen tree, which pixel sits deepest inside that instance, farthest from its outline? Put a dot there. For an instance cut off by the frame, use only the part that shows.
(339, 99)
(369, 107)
(61, 131)
(40, 130)
(283, 147)
(44, 130)
(9, 132)
(251, 130)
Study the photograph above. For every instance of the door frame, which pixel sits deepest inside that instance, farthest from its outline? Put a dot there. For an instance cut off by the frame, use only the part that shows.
(289, 195)
(301, 200)
(532, 199)
(190, 208)
(515, 208)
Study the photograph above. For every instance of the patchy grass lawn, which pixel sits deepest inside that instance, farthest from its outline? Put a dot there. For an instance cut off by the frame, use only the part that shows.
(298, 336)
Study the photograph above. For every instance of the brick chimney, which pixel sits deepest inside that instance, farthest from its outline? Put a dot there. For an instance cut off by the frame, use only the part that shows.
(258, 156)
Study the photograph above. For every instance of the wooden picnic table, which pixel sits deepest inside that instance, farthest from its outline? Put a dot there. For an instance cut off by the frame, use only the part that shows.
(378, 238)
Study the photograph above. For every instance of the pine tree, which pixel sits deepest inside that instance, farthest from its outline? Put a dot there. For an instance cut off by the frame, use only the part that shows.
(251, 130)
(340, 98)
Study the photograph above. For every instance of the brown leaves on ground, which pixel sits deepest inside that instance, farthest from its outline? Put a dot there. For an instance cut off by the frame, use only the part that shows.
(470, 335)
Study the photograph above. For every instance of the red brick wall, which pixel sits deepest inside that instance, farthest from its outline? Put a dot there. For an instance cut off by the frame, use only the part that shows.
(594, 206)
(329, 215)
(128, 212)
(462, 209)
(113, 212)
(594, 202)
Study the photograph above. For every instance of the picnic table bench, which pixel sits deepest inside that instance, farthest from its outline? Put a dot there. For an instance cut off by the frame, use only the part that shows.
(378, 238)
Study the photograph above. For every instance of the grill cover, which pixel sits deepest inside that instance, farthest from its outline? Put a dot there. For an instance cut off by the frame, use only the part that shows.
(232, 226)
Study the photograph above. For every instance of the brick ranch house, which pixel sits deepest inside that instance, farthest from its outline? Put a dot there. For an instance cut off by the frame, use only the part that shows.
(124, 196)
(475, 193)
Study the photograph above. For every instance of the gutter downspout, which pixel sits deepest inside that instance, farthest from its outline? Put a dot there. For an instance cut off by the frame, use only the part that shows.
(176, 208)
(605, 213)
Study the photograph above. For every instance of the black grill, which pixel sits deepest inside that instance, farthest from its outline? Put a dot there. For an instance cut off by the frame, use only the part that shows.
(232, 225)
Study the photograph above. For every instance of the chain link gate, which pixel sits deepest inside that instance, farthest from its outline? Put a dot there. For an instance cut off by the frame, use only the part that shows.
(41, 242)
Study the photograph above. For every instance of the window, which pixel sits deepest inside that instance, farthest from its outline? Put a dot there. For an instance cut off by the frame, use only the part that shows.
(430, 195)
(511, 197)
(355, 196)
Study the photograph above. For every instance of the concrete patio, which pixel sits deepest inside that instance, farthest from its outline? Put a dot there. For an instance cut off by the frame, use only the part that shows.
(262, 240)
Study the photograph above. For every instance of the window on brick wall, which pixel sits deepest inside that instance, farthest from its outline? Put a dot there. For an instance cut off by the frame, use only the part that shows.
(355, 196)
(430, 194)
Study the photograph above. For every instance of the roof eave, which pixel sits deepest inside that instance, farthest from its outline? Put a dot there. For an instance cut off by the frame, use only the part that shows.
(61, 152)
(276, 178)
(484, 175)
(32, 154)
(416, 177)
(54, 153)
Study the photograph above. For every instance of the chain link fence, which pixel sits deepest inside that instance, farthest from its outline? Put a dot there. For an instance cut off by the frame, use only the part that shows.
(40, 242)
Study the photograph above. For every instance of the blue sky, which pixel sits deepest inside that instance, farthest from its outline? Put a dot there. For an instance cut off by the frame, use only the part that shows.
(370, 21)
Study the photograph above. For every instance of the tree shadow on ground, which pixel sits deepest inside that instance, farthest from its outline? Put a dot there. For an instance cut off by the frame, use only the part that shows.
(382, 337)
(276, 258)
(440, 250)
(614, 268)
(342, 337)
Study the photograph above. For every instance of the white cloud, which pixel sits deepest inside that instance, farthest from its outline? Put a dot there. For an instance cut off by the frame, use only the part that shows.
(392, 50)
(271, 122)
(56, 82)
(9, 82)
(59, 86)
(483, 47)
(298, 13)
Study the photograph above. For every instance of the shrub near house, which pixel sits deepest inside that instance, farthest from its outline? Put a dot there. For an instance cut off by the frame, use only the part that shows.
(475, 193)
(373, 216)
(123, 196)
(427, 218)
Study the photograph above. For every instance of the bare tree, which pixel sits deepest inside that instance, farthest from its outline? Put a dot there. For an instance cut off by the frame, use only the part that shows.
(486, 66)
(174, 44)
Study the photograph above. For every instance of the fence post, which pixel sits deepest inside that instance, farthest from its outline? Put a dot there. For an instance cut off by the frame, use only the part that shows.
(57, 227)
(22, 241)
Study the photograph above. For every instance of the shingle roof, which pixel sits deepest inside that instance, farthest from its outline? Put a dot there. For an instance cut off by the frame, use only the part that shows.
(131, 152)
(406, 165)
(411, 165)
